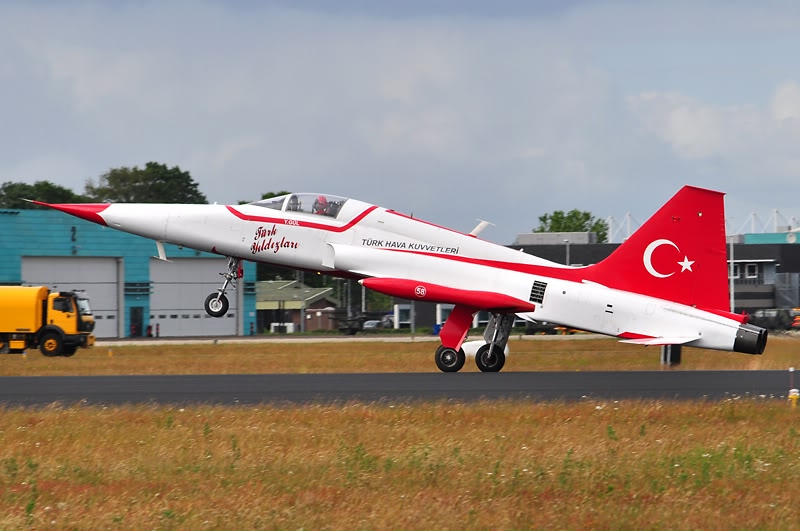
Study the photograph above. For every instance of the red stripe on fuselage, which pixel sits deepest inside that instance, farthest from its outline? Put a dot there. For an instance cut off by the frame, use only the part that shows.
(569, 274)
(300, 222)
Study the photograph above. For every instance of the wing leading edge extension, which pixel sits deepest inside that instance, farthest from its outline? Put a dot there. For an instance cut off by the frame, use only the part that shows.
(430, 292)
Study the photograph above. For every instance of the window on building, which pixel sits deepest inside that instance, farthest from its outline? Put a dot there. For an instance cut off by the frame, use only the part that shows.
(735, 273)
(751, 271)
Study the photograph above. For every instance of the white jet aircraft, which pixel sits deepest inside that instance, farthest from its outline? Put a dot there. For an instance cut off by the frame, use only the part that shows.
(666, 285)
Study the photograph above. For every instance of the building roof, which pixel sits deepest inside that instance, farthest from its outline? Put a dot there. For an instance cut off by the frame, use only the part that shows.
(555, 238)
(291, 294)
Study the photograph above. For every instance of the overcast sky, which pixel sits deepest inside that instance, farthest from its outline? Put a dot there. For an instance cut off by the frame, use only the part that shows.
(448, 110)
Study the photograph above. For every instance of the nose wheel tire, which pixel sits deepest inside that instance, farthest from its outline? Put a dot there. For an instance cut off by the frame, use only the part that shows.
(487, 362)
(450, 360)
(216, 305)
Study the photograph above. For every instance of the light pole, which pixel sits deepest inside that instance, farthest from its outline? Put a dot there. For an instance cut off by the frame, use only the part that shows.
(566, 242)
(731, 285)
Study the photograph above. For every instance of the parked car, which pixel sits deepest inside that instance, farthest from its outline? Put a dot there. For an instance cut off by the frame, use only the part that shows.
(541, 327)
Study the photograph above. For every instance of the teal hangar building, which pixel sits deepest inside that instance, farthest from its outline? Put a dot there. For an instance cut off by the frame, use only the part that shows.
(132, 292)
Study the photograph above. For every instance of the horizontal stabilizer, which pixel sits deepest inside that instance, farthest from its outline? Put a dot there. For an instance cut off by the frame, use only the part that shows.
(650, 341)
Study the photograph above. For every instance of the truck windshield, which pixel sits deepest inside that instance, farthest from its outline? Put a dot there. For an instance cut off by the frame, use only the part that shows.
(83, 306)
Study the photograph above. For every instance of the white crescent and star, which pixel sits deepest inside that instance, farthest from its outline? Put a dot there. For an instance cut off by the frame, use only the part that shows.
(686, 264)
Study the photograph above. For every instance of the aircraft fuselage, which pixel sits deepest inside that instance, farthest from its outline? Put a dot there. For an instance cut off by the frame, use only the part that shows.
(666, 285)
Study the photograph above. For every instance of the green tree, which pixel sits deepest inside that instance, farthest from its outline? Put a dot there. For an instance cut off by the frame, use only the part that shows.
(573, 221)
(13, 195)
(155, 183)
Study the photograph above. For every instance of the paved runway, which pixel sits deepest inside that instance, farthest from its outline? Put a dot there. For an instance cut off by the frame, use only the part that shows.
(327, 388)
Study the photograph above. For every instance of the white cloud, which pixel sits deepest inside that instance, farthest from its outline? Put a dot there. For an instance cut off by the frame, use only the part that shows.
(692, 129)
(53, 166)
(97, 79)
(753, 143)
(785, 104)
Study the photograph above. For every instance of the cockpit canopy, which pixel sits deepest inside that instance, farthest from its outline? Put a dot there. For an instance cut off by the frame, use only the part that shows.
(318, 204)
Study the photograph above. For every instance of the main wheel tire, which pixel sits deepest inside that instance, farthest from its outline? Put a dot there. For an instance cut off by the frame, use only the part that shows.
(51, 344)
(450, 360)
(216, 307)
(491, 363)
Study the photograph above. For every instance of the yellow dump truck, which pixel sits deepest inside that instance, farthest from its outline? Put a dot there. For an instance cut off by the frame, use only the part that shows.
(34, 317)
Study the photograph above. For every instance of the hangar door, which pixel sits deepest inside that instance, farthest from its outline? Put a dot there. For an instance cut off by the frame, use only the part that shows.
(96, 276)
(179, 289)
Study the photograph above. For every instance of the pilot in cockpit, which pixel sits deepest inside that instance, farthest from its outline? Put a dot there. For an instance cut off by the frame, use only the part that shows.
(294, 204)
(321, 205)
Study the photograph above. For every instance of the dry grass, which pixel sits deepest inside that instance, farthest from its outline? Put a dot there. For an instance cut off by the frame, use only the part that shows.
(499, 465)
(317, 356)
(443, 465)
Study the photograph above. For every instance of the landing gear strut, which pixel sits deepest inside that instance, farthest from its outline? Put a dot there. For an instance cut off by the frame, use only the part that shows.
(491, 356)
(216, 304)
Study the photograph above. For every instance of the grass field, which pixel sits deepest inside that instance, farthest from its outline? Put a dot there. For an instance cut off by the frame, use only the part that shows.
(442, 465)
(315, 355)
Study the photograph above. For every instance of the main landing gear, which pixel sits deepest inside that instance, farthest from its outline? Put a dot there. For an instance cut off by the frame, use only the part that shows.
(490, 357)
(450, 359)
(216, 304)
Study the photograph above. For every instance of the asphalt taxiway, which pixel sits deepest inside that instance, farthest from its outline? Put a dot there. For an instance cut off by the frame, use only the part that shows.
(391, 387)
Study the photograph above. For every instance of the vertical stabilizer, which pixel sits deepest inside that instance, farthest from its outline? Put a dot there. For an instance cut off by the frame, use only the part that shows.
(679, 254)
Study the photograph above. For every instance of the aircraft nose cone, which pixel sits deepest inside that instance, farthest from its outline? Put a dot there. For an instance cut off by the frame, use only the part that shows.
(87, 211)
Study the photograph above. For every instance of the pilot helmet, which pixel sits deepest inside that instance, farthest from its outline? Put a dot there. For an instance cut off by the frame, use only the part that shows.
(320, 203)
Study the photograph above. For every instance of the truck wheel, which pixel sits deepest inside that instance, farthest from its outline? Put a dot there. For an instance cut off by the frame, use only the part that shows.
(51, 344)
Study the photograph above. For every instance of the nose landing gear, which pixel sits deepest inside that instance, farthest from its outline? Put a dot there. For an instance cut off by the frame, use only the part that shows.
(217, 304)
